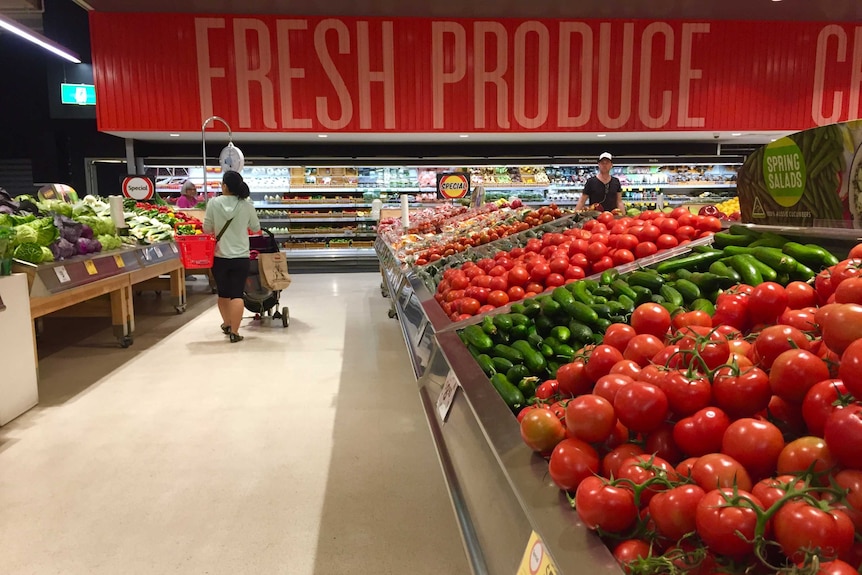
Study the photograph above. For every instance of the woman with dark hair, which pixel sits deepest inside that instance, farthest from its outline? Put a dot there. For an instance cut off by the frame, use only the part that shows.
(230, 216)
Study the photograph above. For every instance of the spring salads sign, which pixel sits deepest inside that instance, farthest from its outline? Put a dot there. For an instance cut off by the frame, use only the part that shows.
(810, 178)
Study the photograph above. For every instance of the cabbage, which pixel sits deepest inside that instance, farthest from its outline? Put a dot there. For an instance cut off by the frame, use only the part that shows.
(70, 230)
(81, 209)
(25, 235)
(29, 252)
(110, 242)
(47, 255)
(62, 249)
(88, 246)
(5, 220)
(55, 206)
(46, 233)
(100, 225)
(86, 231)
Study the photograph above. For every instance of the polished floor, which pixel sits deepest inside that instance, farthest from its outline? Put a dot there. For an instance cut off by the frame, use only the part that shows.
(298, 451)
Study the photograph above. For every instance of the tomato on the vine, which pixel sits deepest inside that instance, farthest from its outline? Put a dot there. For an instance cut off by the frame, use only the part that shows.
(717, 470)
(727, 528)
(629, 550)
(641, 407)
(794, 372)
(800, 295)
(615, 457)
(840, 324)
(819, 402)
(608, 386)
(850, 370)
(701, 433)
(674, 511)
(799, 526)
(590, 418)
(601, 360)
(743, 393)
(754, 443)
(571, 462)
(687, 393)
(541, 430)
(643, 468)
(768, 301)
(651, 318)
(642, 348)
(843, 435)
(602, 505)
(660, 443)
(799, 455)
(775, 340)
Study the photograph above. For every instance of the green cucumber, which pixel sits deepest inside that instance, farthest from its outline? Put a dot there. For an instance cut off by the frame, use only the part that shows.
(693, 262)
(507, 352)
(486, 363)
(702, 304)
(722, 270)
(546, 350)
(813, 256)
(643, 294)
(768, 274)
(688, 289)
(532, 308)
(776, 259)
(510, 394)
(705, 281)
(827, 257)
(565, 299)
(737, 250)
(488, 325)
(581, 332)
(478, 338)
(745, 268)
(602, 310)
(769, 240)
(723, 239)
(562, 333)
(608, 276)
(580, 290)
(739, 230)
(584, 313)
(617, 308)
(518, 307)
(501, 364)
(551, 308)
(649, 281)
(517, 372)
(671, 294)
(601, 300)
(535, 339)
(552, 341)
(527, 385)
(657, 298)
(604, 291)
(802, 273)
(602, 324)
(520, 319)
(544, 325)
(503, 322)
(534, 360)
(620, 287)
(564, 352)
(628, 303)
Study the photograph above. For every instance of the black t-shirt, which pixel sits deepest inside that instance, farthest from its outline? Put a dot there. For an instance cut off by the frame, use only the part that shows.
(605, 194)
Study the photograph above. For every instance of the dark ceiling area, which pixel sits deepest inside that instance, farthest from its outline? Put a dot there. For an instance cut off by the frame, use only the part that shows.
(803, 10)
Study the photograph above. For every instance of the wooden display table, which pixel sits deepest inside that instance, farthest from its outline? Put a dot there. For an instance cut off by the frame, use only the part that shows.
(101, 285)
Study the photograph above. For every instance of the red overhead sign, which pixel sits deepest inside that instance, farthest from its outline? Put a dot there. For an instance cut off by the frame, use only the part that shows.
(272, 74)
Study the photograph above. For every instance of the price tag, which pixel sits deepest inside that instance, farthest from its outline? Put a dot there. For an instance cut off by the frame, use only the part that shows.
(447, 396)
(91, 267)
(158, 251)
(118, 259)
(174, 248)
(536, 560)
(62, 274)
(146, 252)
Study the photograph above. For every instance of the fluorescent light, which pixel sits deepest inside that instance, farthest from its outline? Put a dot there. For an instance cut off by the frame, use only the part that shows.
(36, 38)
(464, 136)
(736, 134)
(601, 135)
(322, 135)
(174, 135)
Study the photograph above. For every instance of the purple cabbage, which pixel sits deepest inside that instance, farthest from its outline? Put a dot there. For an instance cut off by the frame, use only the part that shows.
(86, 231)
(70, 230)
(63, 249)
(86, 246)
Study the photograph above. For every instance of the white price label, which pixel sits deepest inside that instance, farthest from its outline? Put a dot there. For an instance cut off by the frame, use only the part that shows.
(146, 253)
(447, 396)
(158, 251)
(174, 248)
(62, 274)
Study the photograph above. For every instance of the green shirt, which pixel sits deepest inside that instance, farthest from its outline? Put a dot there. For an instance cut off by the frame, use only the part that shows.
(234, 242)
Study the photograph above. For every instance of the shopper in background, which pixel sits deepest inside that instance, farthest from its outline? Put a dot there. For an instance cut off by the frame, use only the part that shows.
(230, 216)
(188, 195)
(603, 188)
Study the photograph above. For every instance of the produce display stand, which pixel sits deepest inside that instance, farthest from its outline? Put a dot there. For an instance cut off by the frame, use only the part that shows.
(101, 285)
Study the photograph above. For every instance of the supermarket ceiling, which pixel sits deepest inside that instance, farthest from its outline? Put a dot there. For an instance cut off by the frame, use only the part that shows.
(805, 10)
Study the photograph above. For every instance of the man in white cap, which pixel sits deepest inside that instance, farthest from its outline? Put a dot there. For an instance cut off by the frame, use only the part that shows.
(603, 188)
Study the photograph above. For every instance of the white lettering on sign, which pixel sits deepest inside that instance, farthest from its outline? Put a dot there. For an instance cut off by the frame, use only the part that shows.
(687, 74)
(206, 73)
(344, 100)
(286, 73)
(440, 74)
(385, 76)
(483, 76)
(606, 74)
(246, 73)
(584, 70)
(542, 64)
(644, 108)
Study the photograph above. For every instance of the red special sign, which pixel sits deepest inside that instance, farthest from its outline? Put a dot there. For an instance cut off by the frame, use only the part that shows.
(138, 187)
(453, 186)
(272, 74)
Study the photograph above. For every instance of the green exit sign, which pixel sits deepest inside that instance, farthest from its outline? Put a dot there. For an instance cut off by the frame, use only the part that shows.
(78, 94)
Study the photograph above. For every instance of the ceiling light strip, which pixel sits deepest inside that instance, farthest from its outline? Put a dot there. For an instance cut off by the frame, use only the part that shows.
(36, 38)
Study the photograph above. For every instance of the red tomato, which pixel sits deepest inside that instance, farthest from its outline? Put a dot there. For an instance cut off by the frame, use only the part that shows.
(596, 251)
(685, 466)
(541, 430)
(798, 455)
(498, 298)
(771, 489)
(640, 406)
(574, 273)
(605, 506)
(756, 444)
(691, 318)
(720, 523)
(573, 380)
(794, 372)
(642, 348)
(515, 293)
(498, 283)
(823, 285)
(674, 510)
(801, 319)
(775, 340)
(518, 276)
(718, 470)
(851, 480)
(843, 435)
(609, 385)
(836, 567)
(660, 443)
(687, 393)
(819, 402)
(741, 394)
(643, 468)
(590, 418)
(612, 461)
(666, 242)
(630, 549)
(558, 265)
(856, 252)
(486, 308)
(603, 264)
(571, 462)
(539, 272)
(799, 526)
(685, 233)
(850, 370)
(650, 233)
(622, 257)
(627, 242)
(709, 224)
(626, 367)
(534, 287)
(601, 360)
(702, 432)
(679, 212)
(652, 374)
(841, 325)
(767, 302)
(547, 389)
(787, 416)
(468, 305)
(668, 226)
(800, 295)
(618, 335)
(645, 249)
(849, 268)
(651, 318)
(849, 291)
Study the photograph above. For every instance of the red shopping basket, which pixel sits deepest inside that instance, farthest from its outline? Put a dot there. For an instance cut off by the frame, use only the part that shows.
(197, 251)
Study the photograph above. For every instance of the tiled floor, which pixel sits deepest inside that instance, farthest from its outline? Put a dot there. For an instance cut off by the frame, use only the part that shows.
(298, 451)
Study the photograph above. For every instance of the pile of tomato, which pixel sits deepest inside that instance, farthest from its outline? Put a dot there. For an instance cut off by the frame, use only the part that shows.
(723, 444)
(560, 258)
(491, 233)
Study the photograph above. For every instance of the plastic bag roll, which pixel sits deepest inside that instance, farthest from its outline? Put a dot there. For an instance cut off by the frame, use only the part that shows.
(117, 217)
(405, 212)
